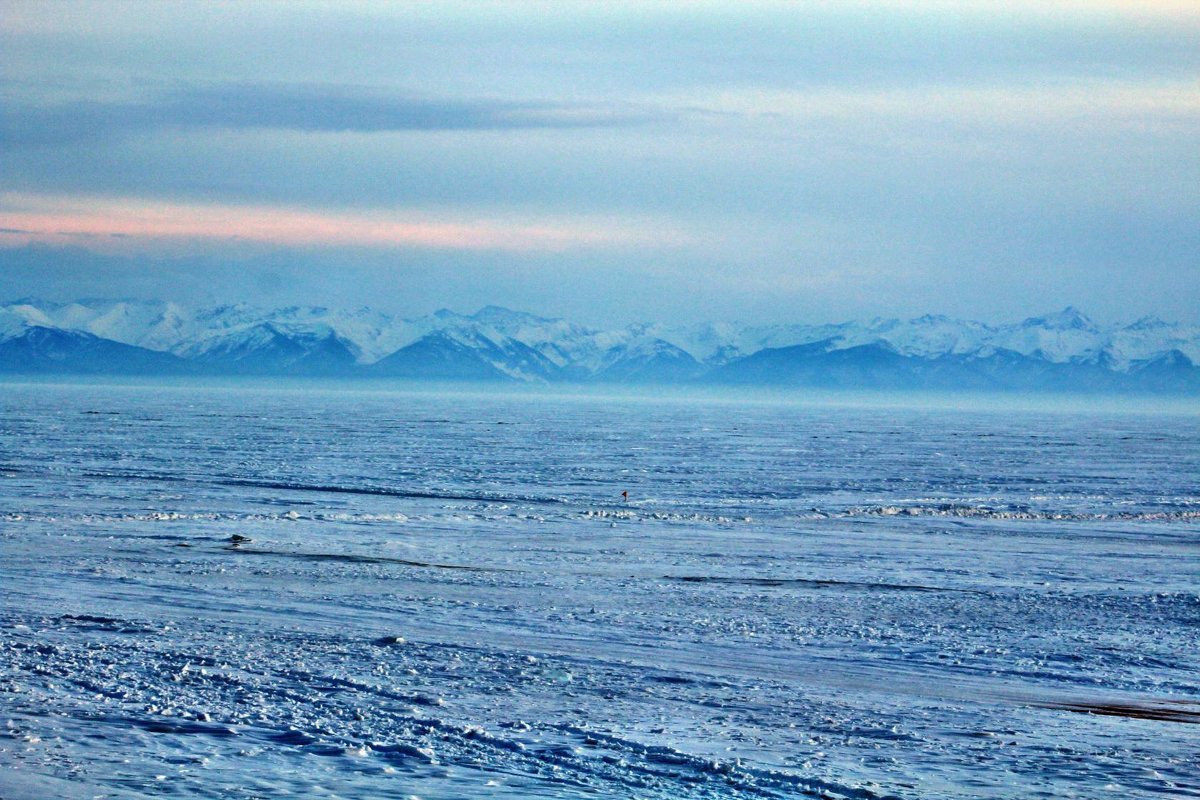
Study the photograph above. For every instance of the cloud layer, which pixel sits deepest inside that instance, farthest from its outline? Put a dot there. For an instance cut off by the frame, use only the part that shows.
(779, 160)
(307, 108)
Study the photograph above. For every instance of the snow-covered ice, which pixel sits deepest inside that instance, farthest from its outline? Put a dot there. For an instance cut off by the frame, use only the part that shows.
(252, 592)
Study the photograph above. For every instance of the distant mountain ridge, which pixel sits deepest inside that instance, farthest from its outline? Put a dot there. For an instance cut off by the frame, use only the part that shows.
(1064, 351)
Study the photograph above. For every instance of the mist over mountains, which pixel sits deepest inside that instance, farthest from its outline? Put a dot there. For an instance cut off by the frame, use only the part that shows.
(1063, 351)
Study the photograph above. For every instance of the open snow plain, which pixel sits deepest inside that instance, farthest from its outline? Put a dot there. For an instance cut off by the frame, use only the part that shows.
(259, 593)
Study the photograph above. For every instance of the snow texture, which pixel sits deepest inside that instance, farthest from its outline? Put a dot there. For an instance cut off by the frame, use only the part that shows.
(261, 593)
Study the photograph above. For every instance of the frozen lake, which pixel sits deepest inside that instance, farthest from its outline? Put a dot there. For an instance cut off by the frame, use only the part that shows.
(251, 592)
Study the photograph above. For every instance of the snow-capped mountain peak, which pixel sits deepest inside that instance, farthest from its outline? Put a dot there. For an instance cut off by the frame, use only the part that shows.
(1069, 319)
(1148, 323)
(500, 342)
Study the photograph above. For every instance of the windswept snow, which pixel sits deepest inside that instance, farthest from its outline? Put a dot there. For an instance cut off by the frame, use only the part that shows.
(245, 592)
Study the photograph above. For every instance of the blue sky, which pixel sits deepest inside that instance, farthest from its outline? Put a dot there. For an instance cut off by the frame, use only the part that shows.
(608, 162)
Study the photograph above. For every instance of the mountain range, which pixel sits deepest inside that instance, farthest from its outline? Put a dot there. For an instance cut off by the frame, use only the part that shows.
(1063, 351)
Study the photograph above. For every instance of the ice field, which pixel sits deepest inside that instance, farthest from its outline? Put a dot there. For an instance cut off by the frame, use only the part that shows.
(232, 592)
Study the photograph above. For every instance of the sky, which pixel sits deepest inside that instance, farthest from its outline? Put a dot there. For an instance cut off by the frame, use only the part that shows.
(608, 162)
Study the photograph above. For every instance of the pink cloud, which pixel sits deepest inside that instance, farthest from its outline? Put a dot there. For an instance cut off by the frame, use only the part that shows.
(52, 219)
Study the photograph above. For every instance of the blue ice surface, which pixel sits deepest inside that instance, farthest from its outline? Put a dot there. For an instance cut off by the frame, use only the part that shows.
(254, 591)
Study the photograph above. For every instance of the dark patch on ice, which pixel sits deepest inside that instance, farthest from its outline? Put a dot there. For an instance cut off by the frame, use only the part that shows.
(355, 558)
(385, 491)
(294, 486)
(678, 680)
(189, 728)
(295, 737)
(176, 726)
(814, 583)
(1167, 711)
(108, 624)
(388, 641)
(137, 476)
